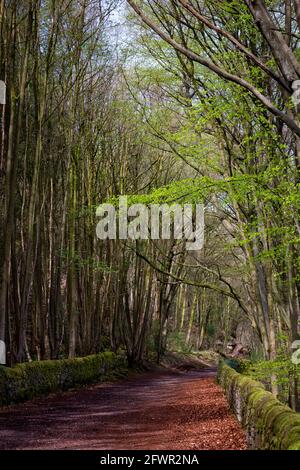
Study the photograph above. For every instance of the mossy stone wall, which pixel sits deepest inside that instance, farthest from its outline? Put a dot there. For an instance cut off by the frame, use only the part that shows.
(269, 424)
(25, 381)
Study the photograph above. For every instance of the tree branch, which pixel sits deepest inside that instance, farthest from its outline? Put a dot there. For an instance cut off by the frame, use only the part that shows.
(218, 70)
(234, 41)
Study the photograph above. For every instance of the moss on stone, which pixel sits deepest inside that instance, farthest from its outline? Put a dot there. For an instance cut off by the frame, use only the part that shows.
(295, 446)
(275, 425)
(25, 381)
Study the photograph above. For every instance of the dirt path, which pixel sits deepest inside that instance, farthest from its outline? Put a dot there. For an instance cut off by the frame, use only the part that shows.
(153, 411)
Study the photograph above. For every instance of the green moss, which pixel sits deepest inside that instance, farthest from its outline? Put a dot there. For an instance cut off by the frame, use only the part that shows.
(25, 381)
(295, 446)
(275, 425)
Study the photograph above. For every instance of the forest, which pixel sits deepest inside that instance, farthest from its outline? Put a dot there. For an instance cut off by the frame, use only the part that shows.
(162, 102)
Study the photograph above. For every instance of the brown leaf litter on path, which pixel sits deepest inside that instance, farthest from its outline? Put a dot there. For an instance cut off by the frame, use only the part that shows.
(151, 411)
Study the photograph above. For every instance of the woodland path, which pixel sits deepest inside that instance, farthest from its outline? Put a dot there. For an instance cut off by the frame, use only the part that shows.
(150, 411)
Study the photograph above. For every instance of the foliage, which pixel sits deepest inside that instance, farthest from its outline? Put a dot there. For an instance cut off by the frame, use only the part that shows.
(280, 371)
(177, 342)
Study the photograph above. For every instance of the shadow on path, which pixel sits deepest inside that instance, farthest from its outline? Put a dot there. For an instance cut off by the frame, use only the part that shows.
(152, 411)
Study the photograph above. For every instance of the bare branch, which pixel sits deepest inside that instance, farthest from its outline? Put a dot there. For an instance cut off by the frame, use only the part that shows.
(218, 70)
